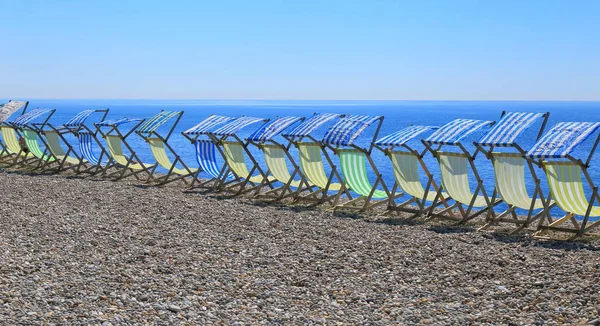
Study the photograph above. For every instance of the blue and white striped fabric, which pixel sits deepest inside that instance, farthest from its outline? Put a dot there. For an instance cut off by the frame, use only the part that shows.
(207, 124)
(403, 136)
(236, 125)
(273, 128)
(85, 147)
(156, 121)
(7, 109)
(205, 155)
(345, 131)
(452, 132)
(79, 119)
(310, 125)
(562, 139)
(506, 131)
(118, 122)
(30, 116)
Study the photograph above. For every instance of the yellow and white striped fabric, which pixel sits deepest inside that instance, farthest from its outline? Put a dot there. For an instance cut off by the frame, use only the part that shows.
(311, 164)
(407, 175)
(157, 146)
(453, 167)
(275, 159)
(116, 151)
(509, 169)
(234, 155)
(56, 148)
(566, 186)
(11, 141)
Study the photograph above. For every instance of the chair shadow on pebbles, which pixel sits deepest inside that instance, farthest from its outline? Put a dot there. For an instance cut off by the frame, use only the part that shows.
(393, 221)
(584, 243)
(451, 229)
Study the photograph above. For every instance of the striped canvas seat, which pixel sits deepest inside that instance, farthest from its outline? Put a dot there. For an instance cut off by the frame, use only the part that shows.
(566, 186)
(276, 162)
(455, 179)
(312, 167)
(53, 142)
(116, 151)
(86, 147)
(509, 169)
(406, 172)
(33, 144)
(12, 143)
(207, 159)
(234, 155)
(157, 146)
(354, 170)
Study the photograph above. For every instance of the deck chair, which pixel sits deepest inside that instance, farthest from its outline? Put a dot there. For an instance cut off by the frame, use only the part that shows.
(127, 163)
(454, 168)
(554, 153)
(6, 110)
(340, 139)
(176, 169)
(311, 153)
(235, 151)
(11, 152)
(31, 132)
(71, 159)
(206, 151)
(509, 170)
(277, 157)
(405, 164)
(88, 139)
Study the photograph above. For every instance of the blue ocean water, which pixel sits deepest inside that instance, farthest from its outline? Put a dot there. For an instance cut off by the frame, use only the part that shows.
(398, 114)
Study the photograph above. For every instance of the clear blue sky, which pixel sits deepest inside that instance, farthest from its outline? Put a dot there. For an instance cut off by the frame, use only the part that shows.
(371, 49)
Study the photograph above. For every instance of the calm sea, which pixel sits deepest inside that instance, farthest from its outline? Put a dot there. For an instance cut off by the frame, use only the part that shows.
(398, 114)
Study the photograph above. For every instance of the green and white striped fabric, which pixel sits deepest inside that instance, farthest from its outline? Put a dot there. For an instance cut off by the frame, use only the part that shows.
(157, 146)
(406, 172)
(566, 186)
(311, 165)
(275, 159)
(57, 150)
(509, 171)
(11, 141)
(32, 141)
(354, 170)
(453, 167)
(234, 155)
(116, 152)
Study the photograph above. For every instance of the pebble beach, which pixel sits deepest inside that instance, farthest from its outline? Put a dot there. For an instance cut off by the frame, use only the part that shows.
(84, 251)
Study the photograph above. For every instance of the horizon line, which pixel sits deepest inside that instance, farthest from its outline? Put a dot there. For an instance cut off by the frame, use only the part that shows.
(314, 100)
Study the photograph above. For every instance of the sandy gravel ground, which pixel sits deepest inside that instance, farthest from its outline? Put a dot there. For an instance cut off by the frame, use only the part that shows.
(80, 251)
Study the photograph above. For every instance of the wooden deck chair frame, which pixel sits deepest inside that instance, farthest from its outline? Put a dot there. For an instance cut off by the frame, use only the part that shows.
(355, 178)
(431, 187)
(510, 215)
(276, 155)
(11, 152)
(245, 183)
(71, 159)
(453, 158)
(125, 165)
(578, 167)
(319, 179)
(159, 143)
(32, 133)
(206, 150)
